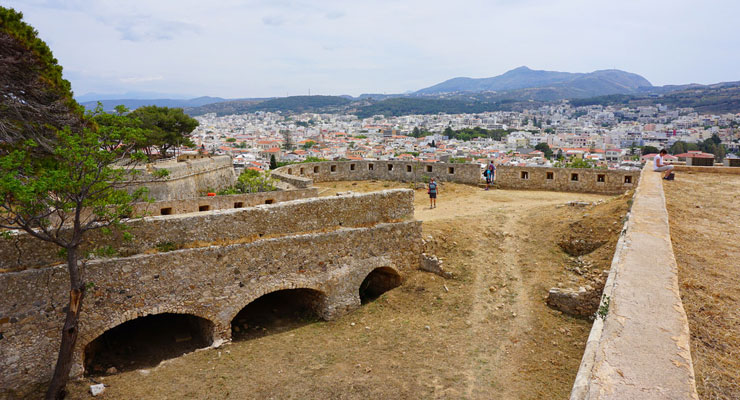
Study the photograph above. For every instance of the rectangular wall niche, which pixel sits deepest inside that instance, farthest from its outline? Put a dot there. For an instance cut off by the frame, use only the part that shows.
(574, 177)
(333, 168)
(204, 208)
(316, 169)
(429, 168)
(370, 166)
(165, 211)
(524, 175)
(408, 168)
(600, 178)
(550, 175)
(628, 179)
(352, 167)
(390, 167)
(451, 170)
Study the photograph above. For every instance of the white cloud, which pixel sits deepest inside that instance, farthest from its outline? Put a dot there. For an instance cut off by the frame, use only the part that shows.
(234, 48)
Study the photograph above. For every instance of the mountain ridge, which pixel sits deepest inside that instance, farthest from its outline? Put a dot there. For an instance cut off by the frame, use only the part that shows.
(600, 82)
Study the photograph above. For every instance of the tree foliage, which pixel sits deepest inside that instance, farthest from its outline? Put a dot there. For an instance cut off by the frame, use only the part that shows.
(164, 127)
(34, 98)
(649, 150)
(545, 148)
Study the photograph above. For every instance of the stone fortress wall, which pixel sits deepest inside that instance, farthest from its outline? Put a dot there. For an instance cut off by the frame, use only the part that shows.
(186, 179)
(302, 175)
(583, 180)
(21, 250)
(327, 245)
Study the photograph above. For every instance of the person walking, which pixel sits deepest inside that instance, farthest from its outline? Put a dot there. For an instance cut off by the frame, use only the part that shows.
(661, 166)
(432, 190)
(490, 174)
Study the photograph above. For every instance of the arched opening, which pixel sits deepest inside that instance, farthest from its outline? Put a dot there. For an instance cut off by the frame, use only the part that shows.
(146, 341)
(377, 282)
(277, 312)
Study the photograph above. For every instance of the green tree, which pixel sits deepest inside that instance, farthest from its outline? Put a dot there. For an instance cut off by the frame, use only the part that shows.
(118, 128)
(273, 162)
(309, 144)
(545, 148)
(251, 181)
(649, 150)
(35, 100)
(677, 148)
(58, 198)
(164, 127)
(287, 140)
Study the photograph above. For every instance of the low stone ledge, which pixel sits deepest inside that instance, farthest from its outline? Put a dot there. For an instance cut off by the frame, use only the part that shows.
(178, 231)
(707, 170)
(638, 347)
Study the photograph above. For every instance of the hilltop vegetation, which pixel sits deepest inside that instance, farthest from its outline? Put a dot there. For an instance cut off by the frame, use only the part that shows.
(406, 105)
(292, 104)
(719, 98)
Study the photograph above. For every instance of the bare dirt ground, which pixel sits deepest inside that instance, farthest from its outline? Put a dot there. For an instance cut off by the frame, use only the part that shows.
(704, 214)
(484, 334)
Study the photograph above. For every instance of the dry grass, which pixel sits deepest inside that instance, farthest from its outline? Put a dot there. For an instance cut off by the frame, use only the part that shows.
(704, 214)
(484, 334)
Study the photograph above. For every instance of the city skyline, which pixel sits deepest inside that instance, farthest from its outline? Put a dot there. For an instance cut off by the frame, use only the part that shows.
(266, 49)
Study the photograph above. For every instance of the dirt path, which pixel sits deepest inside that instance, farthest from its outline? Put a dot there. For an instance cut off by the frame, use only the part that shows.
(485, 334)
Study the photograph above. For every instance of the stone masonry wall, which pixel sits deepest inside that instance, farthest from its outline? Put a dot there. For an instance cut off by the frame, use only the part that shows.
(213, 282)
(244, 224)
(562, 179)
(405, 171)
(186, 179)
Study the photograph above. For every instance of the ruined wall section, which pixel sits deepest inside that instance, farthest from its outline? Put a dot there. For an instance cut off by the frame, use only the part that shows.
(224, 226)
(213, 282)
(186, 179)
(582, 180)
(404, 171)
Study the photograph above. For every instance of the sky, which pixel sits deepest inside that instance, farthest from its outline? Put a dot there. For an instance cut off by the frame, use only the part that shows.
(267, 48)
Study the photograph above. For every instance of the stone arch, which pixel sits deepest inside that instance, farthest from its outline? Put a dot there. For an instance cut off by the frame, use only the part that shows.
(282, 308)
(378, 281)
(146, 340)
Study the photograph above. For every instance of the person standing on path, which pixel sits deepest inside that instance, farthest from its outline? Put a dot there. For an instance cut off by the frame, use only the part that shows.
(490, 174)
(660, 165)
(432, 193)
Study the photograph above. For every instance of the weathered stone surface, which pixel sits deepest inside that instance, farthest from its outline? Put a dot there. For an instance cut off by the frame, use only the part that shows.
(301, 175)
(580, 303)
(561, 179)
(432, 264)
(640, 350)
(176, 231)
(213, 282)
(186, 179)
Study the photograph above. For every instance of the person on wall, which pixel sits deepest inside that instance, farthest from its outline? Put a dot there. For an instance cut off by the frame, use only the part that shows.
(432, 190)
(490, 174)
(661, 166)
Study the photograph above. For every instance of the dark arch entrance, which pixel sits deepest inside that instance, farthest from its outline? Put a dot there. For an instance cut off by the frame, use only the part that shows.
(146, 341)
(377, 282)
(277, 312)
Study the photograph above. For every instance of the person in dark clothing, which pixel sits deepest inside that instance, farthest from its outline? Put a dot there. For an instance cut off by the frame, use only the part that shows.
(432, 193)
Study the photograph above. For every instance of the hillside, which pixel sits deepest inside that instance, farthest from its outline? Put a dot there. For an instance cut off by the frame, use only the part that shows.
(560, 84)
(297, 104)
(717, 98)
(407, 106)
(109, 104)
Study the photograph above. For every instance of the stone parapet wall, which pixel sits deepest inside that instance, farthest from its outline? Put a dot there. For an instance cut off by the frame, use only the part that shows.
(213, 282)
(187, 179)
(582, 180)
(228, 225)
(404, 171)
(222, 202)
(638, 347)
(707, 170)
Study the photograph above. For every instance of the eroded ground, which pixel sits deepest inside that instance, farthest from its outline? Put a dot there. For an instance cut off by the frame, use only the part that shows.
(704, 215)
(484, 334)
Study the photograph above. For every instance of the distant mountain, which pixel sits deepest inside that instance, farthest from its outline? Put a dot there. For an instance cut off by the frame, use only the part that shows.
(557, 85)
(292, 104)
(139, 95)
(108, 105)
